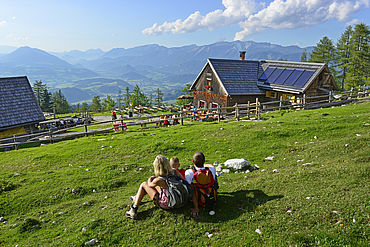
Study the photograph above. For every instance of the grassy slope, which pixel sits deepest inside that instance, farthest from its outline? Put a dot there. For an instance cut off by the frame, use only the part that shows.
(337, 181)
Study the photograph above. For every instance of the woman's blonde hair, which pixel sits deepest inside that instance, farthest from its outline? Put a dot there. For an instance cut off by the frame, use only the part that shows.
(161, 166)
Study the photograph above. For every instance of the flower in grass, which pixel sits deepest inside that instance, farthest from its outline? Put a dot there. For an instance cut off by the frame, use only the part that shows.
(258, 231)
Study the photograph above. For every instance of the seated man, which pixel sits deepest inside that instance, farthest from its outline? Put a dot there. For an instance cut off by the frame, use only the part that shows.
(203, 179)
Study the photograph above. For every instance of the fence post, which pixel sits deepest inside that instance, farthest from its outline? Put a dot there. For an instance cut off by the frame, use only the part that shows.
(248, 110)
(236, 112)
(280, 102)
(51, 135)
(257, 108)
(218, 113)
(15, 140)
(350, 94)
(304, 100)
(181, 115)
(85, 125)
(330, 98)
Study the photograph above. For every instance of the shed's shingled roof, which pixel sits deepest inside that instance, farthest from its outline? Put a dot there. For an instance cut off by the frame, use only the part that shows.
(18, 104)
(239, 77)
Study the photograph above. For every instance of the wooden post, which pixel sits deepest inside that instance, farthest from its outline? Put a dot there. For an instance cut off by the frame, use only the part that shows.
(85, 125)
(122, 125)
(218, 113)
(350, 94)
(248, 109)
(236, 112)
(15, 140)
(304, 100)
(181, 115)
(280, 102)
(257, 108)
(330, 98)
(54, 111)
(51, 136)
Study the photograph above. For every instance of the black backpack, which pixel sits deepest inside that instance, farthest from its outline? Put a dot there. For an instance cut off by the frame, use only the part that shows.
(179, 191)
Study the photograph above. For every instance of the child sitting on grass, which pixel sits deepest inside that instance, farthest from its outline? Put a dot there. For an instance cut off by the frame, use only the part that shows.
(156, 187)
(203, 179)
(175, 164)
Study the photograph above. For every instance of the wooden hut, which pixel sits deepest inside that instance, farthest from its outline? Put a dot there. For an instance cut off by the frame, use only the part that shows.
(19, 110)
(225, 82)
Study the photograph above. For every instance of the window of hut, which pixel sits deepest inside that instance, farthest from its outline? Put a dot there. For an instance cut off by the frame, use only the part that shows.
(271, 94)
(201, 104)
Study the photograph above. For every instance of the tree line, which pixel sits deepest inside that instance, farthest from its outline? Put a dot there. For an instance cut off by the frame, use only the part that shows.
(50, 102)
(348, 60)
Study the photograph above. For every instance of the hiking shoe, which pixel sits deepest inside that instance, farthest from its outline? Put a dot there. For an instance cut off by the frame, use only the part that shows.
(132, 212)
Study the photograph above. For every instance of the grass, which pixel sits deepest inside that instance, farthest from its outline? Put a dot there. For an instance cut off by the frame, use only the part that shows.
(322, 204)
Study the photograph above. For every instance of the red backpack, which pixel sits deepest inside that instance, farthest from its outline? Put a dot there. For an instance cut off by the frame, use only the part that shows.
(206, 186)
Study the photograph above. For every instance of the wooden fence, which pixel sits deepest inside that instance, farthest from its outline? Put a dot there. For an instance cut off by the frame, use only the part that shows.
(238, 111)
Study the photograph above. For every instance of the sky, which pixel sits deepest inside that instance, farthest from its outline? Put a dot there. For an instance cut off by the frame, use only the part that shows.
(64, 25)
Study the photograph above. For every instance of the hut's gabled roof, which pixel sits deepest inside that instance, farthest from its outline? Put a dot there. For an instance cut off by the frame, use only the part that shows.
(18, 104)
(239, 77)
(247, 77)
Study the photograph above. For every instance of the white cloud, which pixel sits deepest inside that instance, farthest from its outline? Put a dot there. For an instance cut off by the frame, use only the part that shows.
(352, 22)
(235, 12)
(253, 17)
(14, 18)
(2, 23)
(299, 13)
(16, 38)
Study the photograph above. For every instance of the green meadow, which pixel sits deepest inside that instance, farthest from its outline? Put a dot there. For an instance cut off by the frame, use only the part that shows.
(314, 192)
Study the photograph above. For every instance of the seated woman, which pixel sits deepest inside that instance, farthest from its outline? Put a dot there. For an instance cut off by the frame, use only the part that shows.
(156, 187)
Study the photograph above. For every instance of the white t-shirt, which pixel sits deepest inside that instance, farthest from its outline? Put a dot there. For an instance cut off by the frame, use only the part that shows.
(189, 174)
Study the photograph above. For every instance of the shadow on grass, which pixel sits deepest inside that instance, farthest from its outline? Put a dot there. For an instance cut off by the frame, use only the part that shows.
(230, 206)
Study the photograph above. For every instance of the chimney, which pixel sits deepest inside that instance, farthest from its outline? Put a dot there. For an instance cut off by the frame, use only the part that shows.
(242, 55)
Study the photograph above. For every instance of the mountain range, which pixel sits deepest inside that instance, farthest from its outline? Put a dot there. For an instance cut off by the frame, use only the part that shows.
(83, 74)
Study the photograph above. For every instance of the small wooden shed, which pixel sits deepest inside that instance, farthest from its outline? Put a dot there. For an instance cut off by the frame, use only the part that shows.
(19, 110)
(225, 82)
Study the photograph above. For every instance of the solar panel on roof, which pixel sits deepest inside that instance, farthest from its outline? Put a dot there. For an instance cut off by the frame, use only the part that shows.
(293, 77)
(272, 78)
(283, 76)
(267, 73)
(303, 79)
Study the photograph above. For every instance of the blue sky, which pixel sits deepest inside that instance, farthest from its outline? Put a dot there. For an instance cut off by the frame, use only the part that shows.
(62, 25)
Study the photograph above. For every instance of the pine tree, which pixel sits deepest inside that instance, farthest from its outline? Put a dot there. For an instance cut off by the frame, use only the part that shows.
(135, 96)
(43, 96)
(158, 97)
(46, 102)
(359, 60)
(77, 108)
(60, 102)
(324, 52)
(96, 105)
(127, 97)
(38, 89)
(119, 99)
(109, 103)
(84, 107)
(304, 56)
(343, 54)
